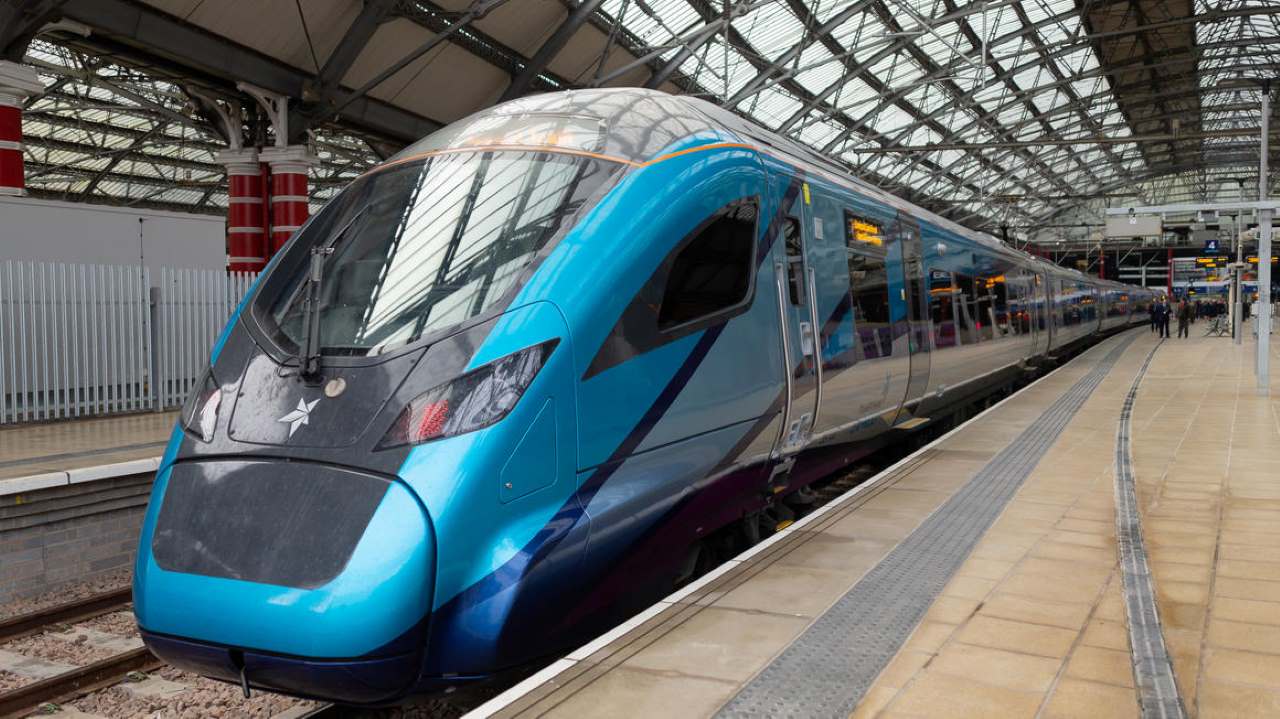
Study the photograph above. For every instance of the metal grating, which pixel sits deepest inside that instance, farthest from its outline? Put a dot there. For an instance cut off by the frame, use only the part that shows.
(1152, 669)
(826, 671)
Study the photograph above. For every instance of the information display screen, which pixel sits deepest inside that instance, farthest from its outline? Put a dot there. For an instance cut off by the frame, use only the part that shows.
(862, 231)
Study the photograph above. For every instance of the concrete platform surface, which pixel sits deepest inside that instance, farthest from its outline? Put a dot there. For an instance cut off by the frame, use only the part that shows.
(1032, 619)
(28, 450)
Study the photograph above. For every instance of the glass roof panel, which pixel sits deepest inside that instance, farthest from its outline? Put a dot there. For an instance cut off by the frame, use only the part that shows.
(961, 78)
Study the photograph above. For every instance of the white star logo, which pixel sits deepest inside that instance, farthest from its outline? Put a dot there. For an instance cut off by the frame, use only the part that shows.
(299, 416)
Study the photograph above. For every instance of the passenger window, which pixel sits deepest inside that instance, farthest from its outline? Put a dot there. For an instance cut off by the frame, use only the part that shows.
(967, 308)
(943, 309)
(1069, 302)
(868, 288)
(992, 318)
(1020, 294)
(1042, 308)
(713, 271)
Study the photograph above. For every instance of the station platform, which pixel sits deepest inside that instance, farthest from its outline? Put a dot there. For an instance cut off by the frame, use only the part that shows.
(38, 452)
(1129, 499)
(72, 497)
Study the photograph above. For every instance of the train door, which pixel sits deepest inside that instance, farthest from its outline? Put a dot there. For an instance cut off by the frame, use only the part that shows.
(794, 281)
(916, 288)
(1035, 327)
(1049, 317)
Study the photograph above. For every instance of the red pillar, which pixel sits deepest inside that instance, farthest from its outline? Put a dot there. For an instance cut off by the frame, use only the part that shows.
(289, 191)
(17, 83)
(246, 244)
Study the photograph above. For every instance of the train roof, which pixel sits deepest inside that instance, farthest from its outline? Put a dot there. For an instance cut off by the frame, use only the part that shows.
(637, 125)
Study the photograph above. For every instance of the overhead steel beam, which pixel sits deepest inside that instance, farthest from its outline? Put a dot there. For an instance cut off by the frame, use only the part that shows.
(1109, 93)
(687, 49)
(552, 47)
(1053, 141)
(20, 20)
(149, 33)
(1150, 175)
(107, 201)
(478, 9)
(641, 50)
(1190, 207)
(353, 42)
(54, 118)
(862, 125)
(709, 14)
(118, 156)
(992, 125)
(777, 65)
(131, 152)
(439, 19)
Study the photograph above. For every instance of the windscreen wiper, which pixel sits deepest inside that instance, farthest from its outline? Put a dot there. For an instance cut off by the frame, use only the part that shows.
(309, 347)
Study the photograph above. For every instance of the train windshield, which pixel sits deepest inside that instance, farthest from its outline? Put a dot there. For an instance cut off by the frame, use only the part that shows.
(426, 244)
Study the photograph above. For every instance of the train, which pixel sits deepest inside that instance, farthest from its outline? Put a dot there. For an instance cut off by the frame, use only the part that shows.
(539, 368)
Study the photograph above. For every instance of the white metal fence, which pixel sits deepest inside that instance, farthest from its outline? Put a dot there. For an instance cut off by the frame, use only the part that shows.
(87, 340)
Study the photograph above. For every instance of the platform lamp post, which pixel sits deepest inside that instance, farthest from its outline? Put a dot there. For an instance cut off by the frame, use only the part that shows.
(1237, 274)
(1262, 364)
(1264, 253)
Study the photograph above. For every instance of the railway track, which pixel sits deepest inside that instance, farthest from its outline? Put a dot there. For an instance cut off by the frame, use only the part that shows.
(80, 680)
(77, 682)
(77, 611)
(324, 711)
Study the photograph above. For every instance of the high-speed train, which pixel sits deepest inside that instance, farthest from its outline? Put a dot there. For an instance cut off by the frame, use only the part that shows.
(516, 381)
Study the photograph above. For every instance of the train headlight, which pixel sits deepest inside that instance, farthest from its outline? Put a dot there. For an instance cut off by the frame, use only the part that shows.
(469, 402)
(200, 413)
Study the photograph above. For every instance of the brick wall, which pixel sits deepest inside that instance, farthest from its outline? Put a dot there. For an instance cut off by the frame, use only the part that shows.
(53, 537)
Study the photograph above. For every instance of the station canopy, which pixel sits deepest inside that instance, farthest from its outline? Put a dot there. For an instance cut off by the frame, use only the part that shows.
(993, 113)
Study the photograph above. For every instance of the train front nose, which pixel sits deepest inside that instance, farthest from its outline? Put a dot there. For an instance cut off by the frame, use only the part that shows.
(299, 577)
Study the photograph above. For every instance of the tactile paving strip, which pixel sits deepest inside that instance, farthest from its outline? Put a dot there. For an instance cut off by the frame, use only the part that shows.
(826, 671)
(1152, 670)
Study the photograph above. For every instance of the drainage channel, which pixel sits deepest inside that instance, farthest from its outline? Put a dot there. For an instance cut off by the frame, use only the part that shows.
(1152, 669)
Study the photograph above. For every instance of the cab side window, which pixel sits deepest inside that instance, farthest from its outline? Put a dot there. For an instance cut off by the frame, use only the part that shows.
(712, 271)
(795, 259)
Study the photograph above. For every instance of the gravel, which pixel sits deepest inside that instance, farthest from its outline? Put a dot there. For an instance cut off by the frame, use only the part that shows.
(55, 649)
(11, 681)
(69, 592)
(121, 623)
(203, 698)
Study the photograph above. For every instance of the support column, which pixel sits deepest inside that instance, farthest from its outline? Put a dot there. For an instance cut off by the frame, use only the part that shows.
(289, 191)
(17, 83)
(1264, 252)
(246, 240)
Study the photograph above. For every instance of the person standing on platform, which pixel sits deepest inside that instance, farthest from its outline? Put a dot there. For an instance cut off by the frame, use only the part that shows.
(1154, 311)
(1166, 314)
(1184, 319)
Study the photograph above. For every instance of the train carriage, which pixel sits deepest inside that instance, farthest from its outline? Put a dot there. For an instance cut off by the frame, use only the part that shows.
(518, 380)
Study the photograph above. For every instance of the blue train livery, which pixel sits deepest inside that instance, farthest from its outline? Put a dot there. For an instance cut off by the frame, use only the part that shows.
(546, 364)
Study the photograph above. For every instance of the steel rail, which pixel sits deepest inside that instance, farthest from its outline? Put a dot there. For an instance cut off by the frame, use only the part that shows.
(76, 682)
(79, 610)
(324, 711)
